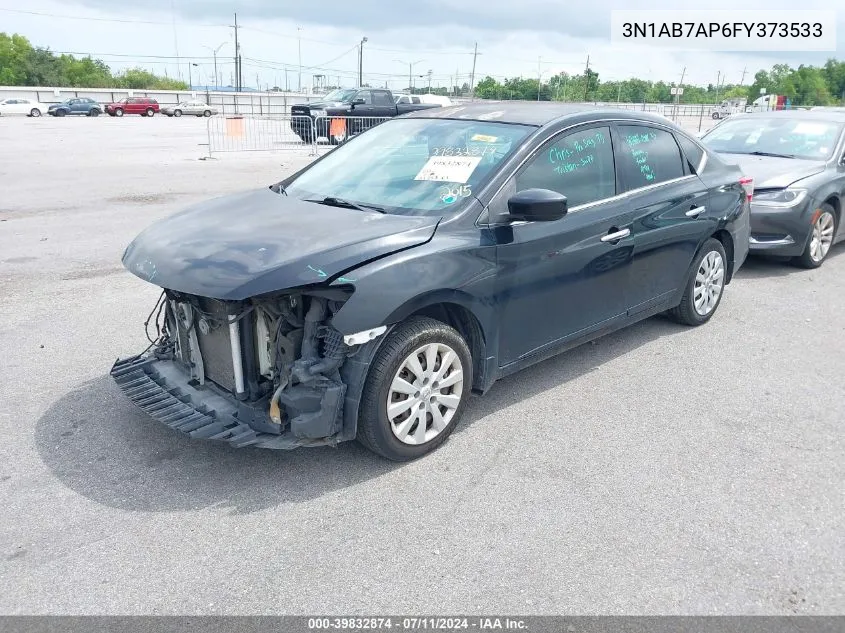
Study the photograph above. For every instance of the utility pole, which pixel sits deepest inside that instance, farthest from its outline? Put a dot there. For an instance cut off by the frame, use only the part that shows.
(175, 38)
(539, 76)
(190, 79)
(587, 78)
(472, 76)
(237, 57)
(718, 77)
(744, 70)
(429, 81)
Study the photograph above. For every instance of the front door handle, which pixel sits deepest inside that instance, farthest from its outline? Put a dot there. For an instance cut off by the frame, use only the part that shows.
(695, 212)
(615, 237)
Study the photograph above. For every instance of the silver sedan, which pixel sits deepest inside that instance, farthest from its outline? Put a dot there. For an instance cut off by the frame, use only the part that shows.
(196, 108)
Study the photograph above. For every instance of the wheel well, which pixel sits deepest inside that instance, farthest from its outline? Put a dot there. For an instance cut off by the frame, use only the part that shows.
(468, 326)
(837, 206)
(728, 244)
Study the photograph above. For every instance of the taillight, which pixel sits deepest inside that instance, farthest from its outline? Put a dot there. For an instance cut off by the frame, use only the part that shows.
(747, 183)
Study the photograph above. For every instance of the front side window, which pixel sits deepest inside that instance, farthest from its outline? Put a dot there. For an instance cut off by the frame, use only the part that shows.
(412, 166)
(579, 165)
(648, 156)
(777, 136)
(366, 96)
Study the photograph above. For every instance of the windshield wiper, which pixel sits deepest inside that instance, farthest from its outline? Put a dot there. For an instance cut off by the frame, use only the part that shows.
(332, 201)
(773, 154)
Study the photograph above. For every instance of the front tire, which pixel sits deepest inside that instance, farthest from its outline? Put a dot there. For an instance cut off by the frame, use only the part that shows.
(118, 112)
(706, 285)
(821, 238)
(416, 390)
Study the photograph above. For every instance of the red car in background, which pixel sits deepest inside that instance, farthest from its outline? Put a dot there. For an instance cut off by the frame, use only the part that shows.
(133, 105)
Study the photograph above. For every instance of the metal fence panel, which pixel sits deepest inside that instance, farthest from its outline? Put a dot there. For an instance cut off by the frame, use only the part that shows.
(256, 133)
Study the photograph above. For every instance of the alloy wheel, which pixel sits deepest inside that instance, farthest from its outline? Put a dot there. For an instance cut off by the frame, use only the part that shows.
(822, 236)
(709, 282)
(425, 393)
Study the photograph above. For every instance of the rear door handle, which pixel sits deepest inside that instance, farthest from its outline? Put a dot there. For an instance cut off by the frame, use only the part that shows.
(695, 212)
(618, 235)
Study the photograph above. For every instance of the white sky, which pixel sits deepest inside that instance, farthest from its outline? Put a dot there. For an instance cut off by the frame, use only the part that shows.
(439, 34)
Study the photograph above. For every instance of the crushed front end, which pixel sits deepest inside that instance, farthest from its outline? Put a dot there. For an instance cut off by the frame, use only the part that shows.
(260, 372)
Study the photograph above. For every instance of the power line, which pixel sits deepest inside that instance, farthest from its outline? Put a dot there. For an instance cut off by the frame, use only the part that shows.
(93, 19)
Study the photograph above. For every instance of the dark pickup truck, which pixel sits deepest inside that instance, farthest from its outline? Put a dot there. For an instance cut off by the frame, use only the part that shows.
(366, 106)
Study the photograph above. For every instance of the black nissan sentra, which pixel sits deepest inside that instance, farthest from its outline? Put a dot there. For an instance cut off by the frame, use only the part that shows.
(368, 295)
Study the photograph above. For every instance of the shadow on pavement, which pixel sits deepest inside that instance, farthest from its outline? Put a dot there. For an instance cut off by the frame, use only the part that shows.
(98, 444)
(764, 267)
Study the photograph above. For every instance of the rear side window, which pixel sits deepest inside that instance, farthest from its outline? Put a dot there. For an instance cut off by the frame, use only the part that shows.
(382, 98)
(648, 156)
(415, 100)
(692, 151)
(579, 165)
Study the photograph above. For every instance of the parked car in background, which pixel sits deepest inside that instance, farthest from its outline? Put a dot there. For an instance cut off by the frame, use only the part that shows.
(728, 107)
(797, 160)
(133, 105)
(464, 244)
(195, 108)
(423, 98)
(22, 106)
(77, 105)
(357, 109)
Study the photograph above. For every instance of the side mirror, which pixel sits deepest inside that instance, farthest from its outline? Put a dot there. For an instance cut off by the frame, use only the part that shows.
(358, 102)
(537, 205)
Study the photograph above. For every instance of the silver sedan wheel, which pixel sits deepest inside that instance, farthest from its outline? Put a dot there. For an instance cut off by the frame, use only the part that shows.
(822, 236)
(425, 393)
(709, 282)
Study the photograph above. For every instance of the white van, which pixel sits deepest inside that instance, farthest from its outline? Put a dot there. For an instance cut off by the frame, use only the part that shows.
(425, 98)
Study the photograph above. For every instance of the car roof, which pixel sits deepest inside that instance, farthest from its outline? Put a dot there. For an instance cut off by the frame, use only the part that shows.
(536, 113)
(832, 116)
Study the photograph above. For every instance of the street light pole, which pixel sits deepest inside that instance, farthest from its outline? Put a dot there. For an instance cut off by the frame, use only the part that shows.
(299, 47)
(361, 62)
(410, 71)
(214, 52)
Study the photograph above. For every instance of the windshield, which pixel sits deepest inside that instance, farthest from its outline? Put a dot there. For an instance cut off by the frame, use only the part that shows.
(412, 166)
(799, 138)
(340, 95)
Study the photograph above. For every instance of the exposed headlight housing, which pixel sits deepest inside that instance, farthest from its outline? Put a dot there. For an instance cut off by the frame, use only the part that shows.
(780, 197)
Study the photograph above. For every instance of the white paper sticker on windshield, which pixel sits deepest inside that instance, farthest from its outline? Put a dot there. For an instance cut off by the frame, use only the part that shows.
(449, 168)
(810, 129)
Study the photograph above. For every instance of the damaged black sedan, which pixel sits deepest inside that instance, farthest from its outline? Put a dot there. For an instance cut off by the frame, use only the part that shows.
(368, 295)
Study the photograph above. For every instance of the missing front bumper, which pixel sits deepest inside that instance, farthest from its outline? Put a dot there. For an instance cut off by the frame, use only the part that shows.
(163, 390)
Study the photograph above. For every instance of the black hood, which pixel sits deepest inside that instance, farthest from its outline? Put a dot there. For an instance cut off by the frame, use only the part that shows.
(772, 172)
(252, 243)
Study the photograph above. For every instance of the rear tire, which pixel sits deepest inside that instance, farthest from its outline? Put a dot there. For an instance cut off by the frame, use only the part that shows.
(177, 113)
(206, 113)
(35, 112)
(706, 285)
(409, 367)
(716, 115)
(94, 112)
(821, 239)
(150, 112)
